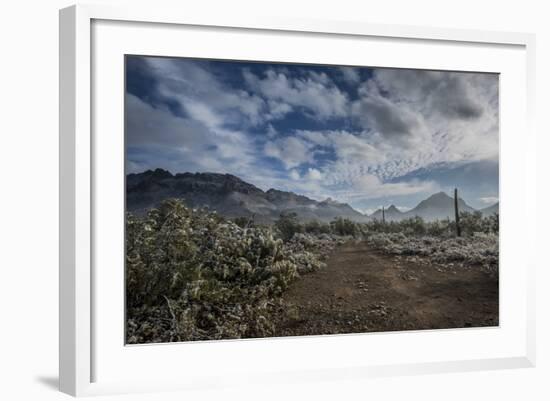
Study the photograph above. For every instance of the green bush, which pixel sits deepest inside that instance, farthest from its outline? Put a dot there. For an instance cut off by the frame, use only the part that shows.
(288, 225)
(244, 222)
(413, 226)
(316, 227)
(344, 227)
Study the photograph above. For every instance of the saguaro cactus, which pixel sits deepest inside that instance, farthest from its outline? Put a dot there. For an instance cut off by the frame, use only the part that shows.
(457, 215)
(383, 215)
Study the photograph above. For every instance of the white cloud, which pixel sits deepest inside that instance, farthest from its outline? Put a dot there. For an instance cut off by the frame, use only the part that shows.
(393, 121)
(148, 126)
(203, 113)
(184, 144)
(316, 93)
(350, 75)
(369, 186)
(319, 138)
(271, 131)
(355, 148)
(277, 110)
(314, 174)
(448, 116)
(489, 200)
(191, 85)
(295, 175)
(291, 151)
(412, 120)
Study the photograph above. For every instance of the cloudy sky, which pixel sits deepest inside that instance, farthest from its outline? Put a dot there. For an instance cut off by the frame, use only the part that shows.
(365, 136)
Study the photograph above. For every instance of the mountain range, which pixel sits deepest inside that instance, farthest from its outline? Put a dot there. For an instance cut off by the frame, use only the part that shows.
(490, 210)
(229, 196)
(233, 197)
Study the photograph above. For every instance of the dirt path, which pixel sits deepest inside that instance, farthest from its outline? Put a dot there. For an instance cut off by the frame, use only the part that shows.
(362, 290)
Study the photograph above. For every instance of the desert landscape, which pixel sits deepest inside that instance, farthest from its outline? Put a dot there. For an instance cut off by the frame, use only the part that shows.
(210, 256)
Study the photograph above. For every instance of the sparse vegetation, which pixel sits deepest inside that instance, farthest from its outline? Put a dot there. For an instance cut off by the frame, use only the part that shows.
(478, 250)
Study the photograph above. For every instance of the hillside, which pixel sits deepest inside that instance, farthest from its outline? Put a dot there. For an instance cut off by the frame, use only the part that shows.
(229, 196)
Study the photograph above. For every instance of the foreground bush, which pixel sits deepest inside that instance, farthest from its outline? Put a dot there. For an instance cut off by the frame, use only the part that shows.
(193, 275)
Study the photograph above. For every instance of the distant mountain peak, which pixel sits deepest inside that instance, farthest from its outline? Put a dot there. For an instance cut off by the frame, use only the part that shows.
(157, 173)
(393, 209)
(330, 201)
(439, 195)
(438, 206)
(391, 213)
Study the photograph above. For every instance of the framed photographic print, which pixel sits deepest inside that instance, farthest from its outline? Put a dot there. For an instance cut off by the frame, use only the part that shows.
(294, 200)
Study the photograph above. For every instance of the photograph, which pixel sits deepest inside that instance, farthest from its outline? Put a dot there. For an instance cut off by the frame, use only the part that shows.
(276, 199)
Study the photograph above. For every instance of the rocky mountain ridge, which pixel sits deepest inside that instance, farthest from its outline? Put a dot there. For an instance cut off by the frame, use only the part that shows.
(233, 197)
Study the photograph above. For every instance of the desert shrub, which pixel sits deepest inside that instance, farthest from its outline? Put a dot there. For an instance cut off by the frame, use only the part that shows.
(439, 228)
(472, 223)
(413, 226)
(376, 226)
(344, 227)
(316, 227)
(493, 222)
(244, 222)
(193, 275)
(288, 225)
(309, 250)
(410, 226)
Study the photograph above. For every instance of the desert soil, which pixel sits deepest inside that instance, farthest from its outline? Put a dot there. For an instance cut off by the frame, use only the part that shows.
(363, 290)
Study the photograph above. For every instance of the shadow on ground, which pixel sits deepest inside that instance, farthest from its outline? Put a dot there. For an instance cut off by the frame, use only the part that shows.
(52, 382)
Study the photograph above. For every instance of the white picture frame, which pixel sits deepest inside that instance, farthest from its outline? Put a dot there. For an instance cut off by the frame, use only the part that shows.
(82, 346)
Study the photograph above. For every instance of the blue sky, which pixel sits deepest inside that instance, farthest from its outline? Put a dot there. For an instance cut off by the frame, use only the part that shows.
(365, 136)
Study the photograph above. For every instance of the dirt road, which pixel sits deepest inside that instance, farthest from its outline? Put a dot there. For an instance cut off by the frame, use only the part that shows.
(362, 290)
